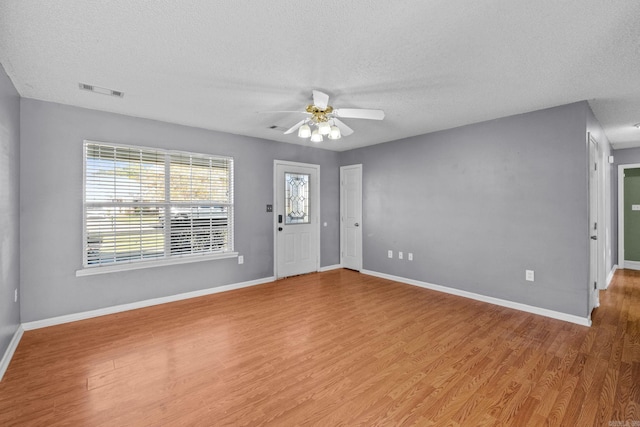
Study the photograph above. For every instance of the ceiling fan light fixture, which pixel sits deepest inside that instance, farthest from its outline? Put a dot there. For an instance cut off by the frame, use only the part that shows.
(316, 136)
(304, 131)
(324, 128)
(324, 120)
(335, 133)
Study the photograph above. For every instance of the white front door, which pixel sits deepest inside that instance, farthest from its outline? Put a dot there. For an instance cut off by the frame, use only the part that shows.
(351, 217)
(297, 222)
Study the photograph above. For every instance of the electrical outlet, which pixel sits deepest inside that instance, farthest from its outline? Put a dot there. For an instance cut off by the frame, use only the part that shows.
(15, 295)
(400, 255)
(529, 275)
(240, 259)
(410, 256)
(390, 253)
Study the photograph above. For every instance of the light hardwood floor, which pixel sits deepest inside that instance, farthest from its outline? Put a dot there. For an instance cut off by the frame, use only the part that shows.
(333, 348)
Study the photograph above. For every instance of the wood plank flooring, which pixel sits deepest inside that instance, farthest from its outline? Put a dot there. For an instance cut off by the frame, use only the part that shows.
(329, 349)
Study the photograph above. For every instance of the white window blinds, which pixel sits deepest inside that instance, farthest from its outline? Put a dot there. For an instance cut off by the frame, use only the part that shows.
(142, 204)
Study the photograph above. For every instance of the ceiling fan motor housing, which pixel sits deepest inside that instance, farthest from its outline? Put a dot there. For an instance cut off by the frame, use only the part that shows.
(319, 115)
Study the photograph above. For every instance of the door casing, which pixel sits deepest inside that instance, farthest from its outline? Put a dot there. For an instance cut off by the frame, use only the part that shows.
(595, 222)
(621, 169)
(314, 210)
(356, 263)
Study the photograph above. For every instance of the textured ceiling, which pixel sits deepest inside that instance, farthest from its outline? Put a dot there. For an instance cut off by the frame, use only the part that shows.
(430, 65)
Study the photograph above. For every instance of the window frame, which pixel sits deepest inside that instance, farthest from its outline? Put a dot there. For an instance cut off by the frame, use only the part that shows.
(167, 203)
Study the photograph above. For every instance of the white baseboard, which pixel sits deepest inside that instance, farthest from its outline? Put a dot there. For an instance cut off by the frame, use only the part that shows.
(139, 304)
(584, 321)
(330, 267)
(8, 354)
(632, 265)
(611, 274)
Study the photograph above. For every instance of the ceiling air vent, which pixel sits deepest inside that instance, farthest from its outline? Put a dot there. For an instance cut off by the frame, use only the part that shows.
(101, 90)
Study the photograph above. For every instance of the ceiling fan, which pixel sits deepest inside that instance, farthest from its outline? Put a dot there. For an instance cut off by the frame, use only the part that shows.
(326, 119)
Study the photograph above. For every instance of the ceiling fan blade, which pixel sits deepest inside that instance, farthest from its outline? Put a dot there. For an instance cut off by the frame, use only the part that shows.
(344, 129)
(359, 113)
(320, 99)
(295, 127)
(281, 112)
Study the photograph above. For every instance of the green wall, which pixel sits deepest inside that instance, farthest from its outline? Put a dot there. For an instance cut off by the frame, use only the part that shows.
(631, 217)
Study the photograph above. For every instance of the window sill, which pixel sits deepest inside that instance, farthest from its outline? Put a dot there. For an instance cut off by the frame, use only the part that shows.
(112, 268)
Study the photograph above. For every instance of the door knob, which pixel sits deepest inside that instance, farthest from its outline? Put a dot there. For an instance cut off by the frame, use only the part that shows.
(594, 237)
(279, 228)
(356, 224)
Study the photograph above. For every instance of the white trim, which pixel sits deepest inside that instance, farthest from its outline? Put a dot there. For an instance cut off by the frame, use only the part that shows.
(632, 265)
(37, 324)
(621, 168)
(330, 267)
(584, 321)
(8, 354)
(90, 271)
(611, 274)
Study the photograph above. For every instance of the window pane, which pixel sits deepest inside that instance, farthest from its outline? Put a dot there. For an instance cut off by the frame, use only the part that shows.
(199, 229)
(202, 179)
(124, 233)
(296, 198)
(116, 174)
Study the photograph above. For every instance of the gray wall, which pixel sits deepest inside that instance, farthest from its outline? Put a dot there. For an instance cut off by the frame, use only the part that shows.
(478, 205)
(9, 209)
(627, 156)
(51, 203)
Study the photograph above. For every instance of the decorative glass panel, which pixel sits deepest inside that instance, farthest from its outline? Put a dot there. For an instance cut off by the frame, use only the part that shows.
(296, 186)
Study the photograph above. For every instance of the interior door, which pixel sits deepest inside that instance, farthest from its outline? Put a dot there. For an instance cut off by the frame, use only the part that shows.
(593, 221)
(351, 217)
(297, 222)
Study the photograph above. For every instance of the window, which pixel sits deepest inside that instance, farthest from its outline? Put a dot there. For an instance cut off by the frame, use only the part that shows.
(144, 204)
(296, 198)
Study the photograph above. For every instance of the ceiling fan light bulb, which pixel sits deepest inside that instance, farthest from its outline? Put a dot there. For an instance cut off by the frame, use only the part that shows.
(315, 136)
(335, 133)
(324, 128)
(304, 131)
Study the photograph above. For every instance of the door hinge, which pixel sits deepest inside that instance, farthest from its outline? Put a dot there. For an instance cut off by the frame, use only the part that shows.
(595, 166)
(595, 225)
